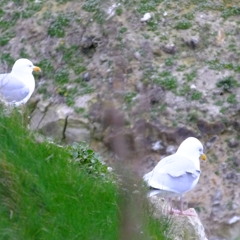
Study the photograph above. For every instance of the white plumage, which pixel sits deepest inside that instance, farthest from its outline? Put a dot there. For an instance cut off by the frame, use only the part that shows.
(17, 86)
(179, 172)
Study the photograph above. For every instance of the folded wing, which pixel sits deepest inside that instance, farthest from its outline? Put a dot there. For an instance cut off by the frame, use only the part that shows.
(11, 89)
(174, 173)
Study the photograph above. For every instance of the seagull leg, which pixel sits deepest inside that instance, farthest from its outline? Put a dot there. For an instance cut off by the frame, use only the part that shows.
(180, 212)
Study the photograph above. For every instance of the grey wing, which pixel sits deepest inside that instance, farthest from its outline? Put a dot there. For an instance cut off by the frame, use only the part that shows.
(11, 89)
(175, 173)
(174, 165)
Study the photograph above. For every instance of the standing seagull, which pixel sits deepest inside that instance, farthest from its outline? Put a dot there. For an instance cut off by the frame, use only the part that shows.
(179, 172)
(17, 86)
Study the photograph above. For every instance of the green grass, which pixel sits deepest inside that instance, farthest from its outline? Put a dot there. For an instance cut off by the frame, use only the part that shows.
(46, 196)
(94, 7)
(183, 25)
(58, 25)
(227, 83)
(144, 6)
(53, 192)
(166, 80)
(231, 11)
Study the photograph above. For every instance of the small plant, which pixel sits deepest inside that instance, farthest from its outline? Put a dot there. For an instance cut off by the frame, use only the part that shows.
(129, 97)
(216, 65)
(227, 83)
(183, 25)
(232, 99)
(231, 11)
(79, 69)
(190, 76)
(167, 81)
(152, 24)
(93, 6)
(88, 160)
(79, 110)
(31, 9)
(8, 59)
(181, 68)
(57, 27)
(196, 95)
(122, 30)
(145, 6)
(47, 66)
(184, 90)
(6, 38)
(169, 62)
(119, 11)
(189, 16)
(62, 76)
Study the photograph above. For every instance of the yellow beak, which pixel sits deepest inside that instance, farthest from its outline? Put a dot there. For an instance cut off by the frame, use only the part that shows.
(36, 69)
(203, 157)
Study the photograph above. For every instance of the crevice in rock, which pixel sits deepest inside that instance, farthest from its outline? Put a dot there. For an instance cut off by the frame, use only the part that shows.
(64, 128)
(43, 116)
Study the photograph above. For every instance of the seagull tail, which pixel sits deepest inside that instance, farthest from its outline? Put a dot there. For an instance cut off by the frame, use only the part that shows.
(153, 192)
(147, 176)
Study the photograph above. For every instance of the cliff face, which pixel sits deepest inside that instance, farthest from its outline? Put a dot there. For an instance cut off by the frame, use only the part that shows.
(148, 72)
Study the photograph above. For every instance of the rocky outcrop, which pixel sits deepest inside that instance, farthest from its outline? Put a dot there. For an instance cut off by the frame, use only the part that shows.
(60, 123)
(183, 227)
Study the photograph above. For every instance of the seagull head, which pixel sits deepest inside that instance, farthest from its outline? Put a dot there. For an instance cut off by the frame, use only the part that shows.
(24, 66)
(192, 147)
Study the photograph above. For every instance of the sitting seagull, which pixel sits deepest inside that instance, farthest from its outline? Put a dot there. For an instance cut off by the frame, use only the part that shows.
(17, 86)
(179, 172)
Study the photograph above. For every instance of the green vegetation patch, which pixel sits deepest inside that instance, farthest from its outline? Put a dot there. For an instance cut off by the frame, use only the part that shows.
(166, 80)
(45, 194)
(231, 11)
(196, 95)
(232, 99)
(62, 76)
(228, 83)
(94, 7)
(217, 65)
(144, 6)
(8, 59)
(58, 25)
(183, 25)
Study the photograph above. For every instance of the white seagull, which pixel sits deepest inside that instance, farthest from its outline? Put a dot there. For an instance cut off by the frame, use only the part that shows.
(17, 86)
(179, 172)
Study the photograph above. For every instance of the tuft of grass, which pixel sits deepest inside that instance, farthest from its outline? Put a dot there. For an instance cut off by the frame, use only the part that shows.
(227, 83)
(217, 65)
(61, 76)
(129, 97)
(7, 59)
(166, 80)
(47, 66)
(232, 99)
(169, 61)
(190, 76)
(58, 25)
(231, 11)
(196, 95)
(183, 25)
(94, 7)
(144, 6)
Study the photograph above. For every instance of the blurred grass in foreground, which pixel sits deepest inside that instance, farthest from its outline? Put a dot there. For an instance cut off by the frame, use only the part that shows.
(50, 192)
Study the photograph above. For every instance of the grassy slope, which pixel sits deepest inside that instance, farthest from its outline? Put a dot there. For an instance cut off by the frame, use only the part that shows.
(43, 195)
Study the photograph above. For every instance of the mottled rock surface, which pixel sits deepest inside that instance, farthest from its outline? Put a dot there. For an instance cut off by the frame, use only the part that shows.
(164, 79)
